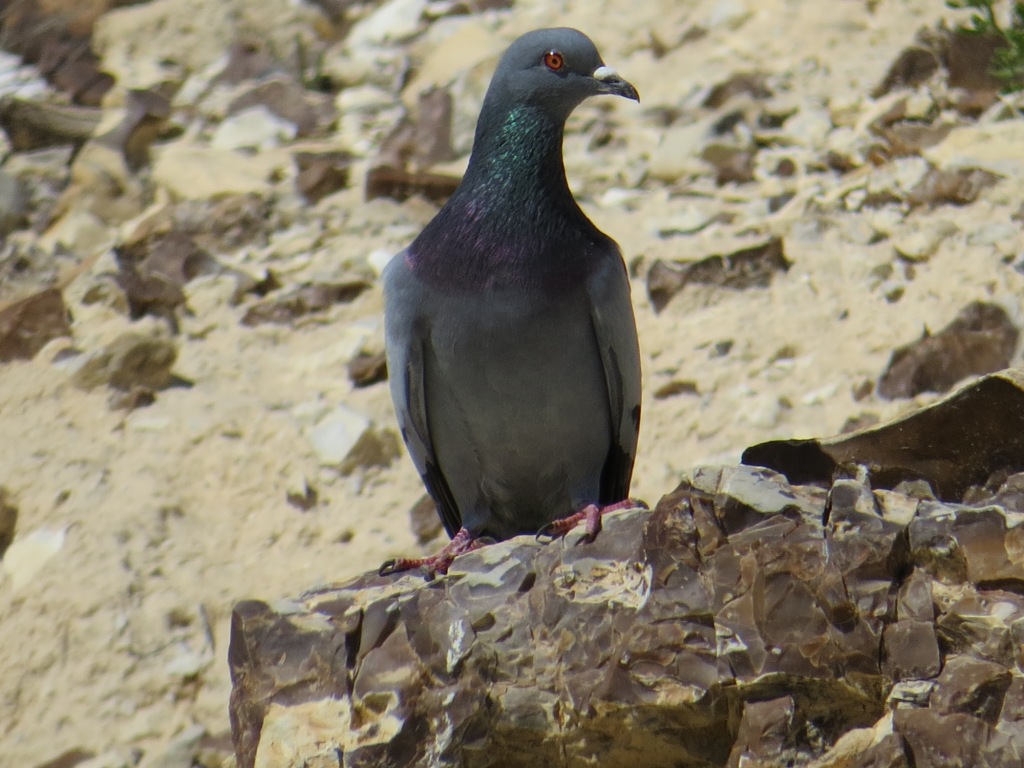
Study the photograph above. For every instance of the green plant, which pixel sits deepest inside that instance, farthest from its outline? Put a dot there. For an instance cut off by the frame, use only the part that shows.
(1008, 59)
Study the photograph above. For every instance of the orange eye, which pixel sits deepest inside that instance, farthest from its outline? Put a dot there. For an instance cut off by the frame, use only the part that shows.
(553, 60)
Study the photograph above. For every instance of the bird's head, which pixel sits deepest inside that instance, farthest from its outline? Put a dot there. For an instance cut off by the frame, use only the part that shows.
(556, 69)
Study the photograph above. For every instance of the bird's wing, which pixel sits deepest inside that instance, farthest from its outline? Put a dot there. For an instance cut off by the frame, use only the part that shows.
(611, 313)
(407, 343)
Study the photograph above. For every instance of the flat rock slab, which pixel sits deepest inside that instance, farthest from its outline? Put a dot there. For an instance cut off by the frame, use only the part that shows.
(742, 619)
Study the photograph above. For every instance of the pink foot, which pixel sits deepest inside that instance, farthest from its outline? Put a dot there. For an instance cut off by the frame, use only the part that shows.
(462, 542)
(591, 516)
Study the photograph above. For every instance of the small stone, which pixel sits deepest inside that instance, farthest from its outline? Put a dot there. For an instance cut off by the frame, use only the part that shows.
(197, 172)
(677, 155)
(941, 740)
(207, 295)
(253, 128)
(377, 448)
(921, 240)
(763, 731)
(809, 127)
(911, 650)
(27, 555)
(368, 368)
(885, 221)
(676, 387)
(895, 180)
(131, 360)
(348, 440)
(690, 220)
(915, 598)
(334, 436)
(393, 22)
(972, 686)
(910, 693)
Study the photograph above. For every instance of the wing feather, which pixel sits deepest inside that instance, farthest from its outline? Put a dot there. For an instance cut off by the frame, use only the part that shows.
(611, 313)
(407, 339)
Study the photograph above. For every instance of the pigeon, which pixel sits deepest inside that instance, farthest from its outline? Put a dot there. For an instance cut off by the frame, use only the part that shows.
(512, 349)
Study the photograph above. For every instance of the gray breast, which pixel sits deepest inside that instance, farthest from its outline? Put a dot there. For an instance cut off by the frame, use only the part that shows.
(517, 407)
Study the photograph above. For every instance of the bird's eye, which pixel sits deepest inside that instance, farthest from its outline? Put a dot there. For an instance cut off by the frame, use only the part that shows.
(553, 60)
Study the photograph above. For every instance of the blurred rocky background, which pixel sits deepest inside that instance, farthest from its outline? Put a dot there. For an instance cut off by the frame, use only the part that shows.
(822, 214)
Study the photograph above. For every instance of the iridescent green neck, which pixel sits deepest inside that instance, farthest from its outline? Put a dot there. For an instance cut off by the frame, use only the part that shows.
(518, 152)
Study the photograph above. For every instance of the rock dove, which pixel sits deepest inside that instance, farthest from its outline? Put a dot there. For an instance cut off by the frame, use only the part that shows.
(511, 343)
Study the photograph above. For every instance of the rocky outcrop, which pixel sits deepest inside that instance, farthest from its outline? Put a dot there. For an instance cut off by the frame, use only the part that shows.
(743, 621)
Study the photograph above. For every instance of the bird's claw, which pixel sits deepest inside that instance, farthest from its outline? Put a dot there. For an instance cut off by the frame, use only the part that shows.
(547, 534)
(591, 515)
(438, 565)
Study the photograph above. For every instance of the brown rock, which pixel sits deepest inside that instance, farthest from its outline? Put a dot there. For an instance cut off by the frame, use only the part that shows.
(321, 173)
(33, 125)
(763, 733)
(912, 67)
(303, 300)
(958, 186)
(26, 325)
(911, 650)
(131, 362)
(753, 84)
(915, 598)
(154, 270)
(981, 624)
(368, 368)
(675, 387)
(745, 268)
(311, 113)
(941, 740)
(971, 686)
(399, 184)
(953, 444)
(980, 339)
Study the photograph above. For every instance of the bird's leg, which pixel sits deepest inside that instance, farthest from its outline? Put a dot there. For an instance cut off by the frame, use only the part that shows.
(462, 542)
(590, 515)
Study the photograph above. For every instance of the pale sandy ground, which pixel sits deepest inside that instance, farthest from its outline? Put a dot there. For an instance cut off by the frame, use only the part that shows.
(178, 510)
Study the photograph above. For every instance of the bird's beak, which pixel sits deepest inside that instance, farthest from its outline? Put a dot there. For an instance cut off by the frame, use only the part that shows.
(608, 81)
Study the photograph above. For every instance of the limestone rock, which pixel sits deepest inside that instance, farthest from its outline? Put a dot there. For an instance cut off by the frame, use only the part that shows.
(745, 621)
